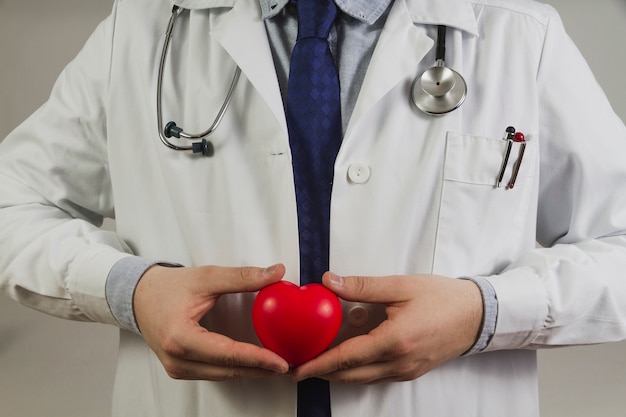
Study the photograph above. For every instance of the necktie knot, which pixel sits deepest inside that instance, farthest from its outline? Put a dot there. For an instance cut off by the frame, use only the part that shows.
(315, 18)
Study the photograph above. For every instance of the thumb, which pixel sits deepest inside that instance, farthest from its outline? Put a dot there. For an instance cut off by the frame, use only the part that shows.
(245, 279)
(379, 290)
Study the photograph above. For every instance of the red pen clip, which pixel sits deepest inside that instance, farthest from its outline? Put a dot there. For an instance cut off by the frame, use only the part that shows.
(519, 137)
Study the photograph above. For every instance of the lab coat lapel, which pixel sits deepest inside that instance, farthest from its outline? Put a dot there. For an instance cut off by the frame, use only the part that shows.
(452, 13)
(400, 48)
(242, 34)
(402, 45)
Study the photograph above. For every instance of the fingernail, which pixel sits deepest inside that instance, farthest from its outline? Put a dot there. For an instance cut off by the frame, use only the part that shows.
(270, 270)
(335, 279)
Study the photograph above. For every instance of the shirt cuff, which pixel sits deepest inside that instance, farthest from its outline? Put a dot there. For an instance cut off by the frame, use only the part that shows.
(490, 315)
(120, 288)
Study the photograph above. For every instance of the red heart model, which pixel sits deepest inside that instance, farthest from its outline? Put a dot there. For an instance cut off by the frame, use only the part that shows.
(297, 323)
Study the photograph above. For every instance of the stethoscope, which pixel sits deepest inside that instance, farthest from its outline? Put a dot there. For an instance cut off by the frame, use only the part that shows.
(204, 146)
(439, 90)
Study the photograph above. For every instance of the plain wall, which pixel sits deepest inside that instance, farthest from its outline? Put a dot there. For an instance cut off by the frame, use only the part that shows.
(51, 367)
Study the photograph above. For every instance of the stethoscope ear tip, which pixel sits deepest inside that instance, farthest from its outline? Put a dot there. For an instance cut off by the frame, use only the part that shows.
(204, 147)
(171, 129)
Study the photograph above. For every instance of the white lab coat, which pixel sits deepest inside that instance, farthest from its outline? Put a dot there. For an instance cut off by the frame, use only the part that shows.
(411, 194)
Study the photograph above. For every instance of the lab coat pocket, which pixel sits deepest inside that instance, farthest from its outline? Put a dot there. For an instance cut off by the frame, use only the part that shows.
(481, 226)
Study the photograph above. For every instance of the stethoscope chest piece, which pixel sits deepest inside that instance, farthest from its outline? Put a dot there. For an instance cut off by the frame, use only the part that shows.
(439, 90)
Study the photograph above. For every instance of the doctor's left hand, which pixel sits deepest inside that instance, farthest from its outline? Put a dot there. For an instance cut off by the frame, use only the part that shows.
(430, 320)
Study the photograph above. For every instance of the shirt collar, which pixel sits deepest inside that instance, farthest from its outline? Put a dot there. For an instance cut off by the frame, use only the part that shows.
(453, 13)
(367, 11)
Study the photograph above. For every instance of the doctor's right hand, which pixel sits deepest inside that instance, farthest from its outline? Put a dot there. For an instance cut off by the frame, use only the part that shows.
(168, 304)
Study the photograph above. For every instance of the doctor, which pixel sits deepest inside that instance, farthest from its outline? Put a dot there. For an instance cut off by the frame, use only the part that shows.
(414, 208)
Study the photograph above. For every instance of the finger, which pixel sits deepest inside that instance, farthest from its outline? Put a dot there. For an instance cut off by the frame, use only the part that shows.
(374, 373)
(380, 290)
(353, 353)
(190, 370)
(219, 350)
(224, 280)
(378, 373)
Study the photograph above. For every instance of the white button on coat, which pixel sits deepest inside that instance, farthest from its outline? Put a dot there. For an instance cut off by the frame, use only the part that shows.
(359, 173)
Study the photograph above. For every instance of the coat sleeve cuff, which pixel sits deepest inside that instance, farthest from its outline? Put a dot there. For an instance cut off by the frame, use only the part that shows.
(86, 282)
(522, 308)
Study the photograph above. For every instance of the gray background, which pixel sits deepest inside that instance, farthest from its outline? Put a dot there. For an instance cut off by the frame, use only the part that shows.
(51, 367)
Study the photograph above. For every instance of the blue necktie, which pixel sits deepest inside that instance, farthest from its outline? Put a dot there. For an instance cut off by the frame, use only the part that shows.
(313, 113)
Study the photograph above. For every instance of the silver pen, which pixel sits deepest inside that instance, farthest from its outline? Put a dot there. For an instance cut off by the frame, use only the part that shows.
(508, 136)
(519, 137)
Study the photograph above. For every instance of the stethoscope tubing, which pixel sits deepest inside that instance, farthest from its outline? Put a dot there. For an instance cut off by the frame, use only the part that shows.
(434, 98)
(170, 129)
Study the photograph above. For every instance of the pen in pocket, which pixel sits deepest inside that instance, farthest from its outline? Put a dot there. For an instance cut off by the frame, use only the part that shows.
(519, 137)
(508, 136)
